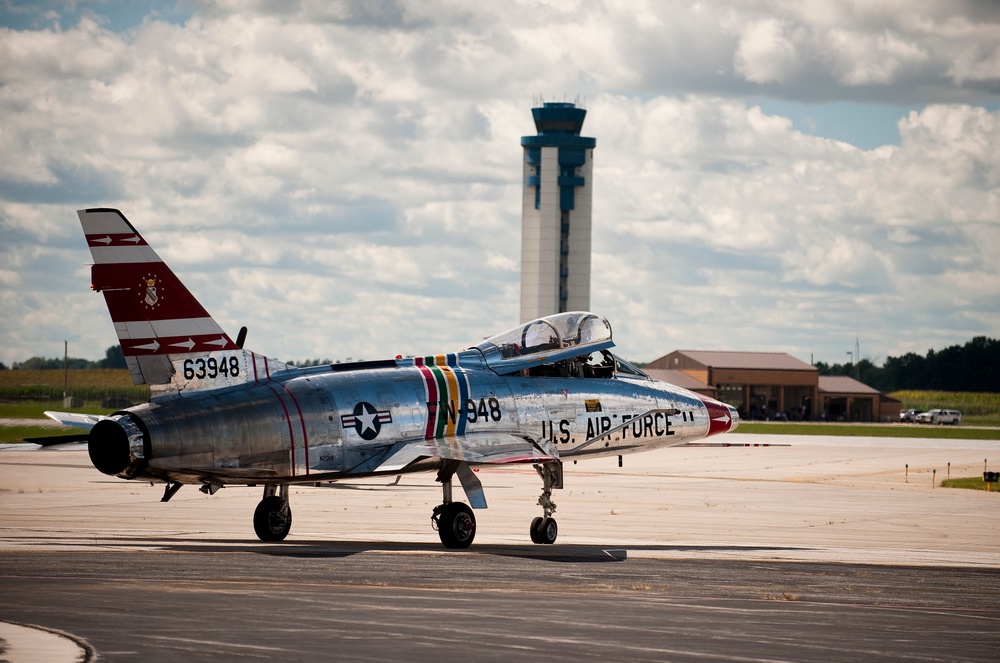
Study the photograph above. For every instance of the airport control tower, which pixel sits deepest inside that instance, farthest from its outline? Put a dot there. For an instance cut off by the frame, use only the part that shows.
(556, 211)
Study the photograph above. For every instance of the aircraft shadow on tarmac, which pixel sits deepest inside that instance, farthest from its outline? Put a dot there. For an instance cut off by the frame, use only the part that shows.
(570, 553)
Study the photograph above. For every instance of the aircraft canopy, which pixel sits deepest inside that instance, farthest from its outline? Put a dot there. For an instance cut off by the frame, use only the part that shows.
(545, 340)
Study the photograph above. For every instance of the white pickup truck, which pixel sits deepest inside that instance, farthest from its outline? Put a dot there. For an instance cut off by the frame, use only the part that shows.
(937, 416)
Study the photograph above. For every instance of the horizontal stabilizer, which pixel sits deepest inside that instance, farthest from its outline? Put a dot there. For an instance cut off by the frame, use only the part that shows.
(75, 419)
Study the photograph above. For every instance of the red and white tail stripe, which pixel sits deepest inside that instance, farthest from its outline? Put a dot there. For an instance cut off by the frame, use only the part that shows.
(167, 337)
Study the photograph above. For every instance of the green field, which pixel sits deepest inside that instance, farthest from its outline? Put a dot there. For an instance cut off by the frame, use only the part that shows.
(47, 387)
(27, 394)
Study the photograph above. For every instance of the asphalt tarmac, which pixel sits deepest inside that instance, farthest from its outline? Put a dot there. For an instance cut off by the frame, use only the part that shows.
(827, 550)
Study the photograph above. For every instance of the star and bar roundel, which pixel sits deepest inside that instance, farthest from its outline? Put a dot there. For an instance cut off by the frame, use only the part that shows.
(446, 387)
(366, 420)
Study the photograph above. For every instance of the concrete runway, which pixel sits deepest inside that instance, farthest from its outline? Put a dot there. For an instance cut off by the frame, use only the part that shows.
(820, 551)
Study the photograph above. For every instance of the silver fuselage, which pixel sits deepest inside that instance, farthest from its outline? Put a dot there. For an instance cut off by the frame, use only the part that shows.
(303, 426)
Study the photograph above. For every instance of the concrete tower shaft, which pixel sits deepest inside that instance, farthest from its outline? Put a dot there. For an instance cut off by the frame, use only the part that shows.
(556, 213)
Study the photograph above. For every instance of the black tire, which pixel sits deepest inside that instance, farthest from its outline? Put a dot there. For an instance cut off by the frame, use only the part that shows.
(548, 531)
(535, 530)
(270, 521)
(456, 525)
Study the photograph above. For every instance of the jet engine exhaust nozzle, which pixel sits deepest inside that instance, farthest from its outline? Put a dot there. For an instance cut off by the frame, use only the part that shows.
(118, 446)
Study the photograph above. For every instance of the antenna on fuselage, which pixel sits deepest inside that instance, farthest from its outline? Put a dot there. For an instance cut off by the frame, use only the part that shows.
(241, 337)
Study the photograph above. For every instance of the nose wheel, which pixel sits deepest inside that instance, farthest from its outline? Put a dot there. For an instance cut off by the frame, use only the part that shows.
(544, 530)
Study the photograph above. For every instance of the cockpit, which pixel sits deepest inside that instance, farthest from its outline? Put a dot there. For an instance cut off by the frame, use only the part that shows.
(573, 344)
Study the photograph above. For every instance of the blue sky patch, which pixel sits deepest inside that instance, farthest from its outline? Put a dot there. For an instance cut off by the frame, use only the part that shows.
(115, 15)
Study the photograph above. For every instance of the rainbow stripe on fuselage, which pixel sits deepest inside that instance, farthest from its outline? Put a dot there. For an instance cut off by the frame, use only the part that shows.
(446, 387)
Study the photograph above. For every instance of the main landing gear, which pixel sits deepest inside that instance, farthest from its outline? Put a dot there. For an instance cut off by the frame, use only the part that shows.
(544, 528)
(273, 518)
(454, 521)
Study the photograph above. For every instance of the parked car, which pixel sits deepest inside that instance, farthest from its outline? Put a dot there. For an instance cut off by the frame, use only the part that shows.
(937, 416)
(909, 415)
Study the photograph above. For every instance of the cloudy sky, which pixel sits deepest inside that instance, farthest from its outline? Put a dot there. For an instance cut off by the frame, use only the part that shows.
(345, 177)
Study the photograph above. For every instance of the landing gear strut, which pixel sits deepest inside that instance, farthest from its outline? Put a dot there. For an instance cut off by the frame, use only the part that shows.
(273, 518)
(544, 528)
(454, 521)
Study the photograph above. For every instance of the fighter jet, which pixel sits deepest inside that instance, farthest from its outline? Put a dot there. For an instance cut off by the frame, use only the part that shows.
(542, 393)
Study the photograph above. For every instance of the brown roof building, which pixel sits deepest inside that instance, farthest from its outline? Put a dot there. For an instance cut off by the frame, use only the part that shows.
(681, 379)
(845, 398)
(773, 385)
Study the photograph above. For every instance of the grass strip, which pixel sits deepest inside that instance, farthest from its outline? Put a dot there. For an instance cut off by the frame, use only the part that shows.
(873, 430)
(15, 434)
(971, 483)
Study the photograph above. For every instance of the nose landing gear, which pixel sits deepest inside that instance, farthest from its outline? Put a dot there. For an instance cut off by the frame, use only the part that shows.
(544, 528)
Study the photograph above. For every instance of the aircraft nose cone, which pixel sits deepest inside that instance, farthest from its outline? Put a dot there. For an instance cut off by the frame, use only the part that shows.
(722, 418)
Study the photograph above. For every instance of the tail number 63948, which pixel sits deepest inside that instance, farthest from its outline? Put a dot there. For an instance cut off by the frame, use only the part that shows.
(210, 367)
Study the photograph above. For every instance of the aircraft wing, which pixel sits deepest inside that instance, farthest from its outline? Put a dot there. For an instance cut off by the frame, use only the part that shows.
(57, 441)
(74, 419)
(475, 449)
(732, 444)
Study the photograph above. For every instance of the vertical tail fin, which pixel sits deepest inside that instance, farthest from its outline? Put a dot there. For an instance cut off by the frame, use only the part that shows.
(167, 337)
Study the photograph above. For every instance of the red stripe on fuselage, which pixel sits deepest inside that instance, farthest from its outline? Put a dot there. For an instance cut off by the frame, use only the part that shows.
(291, 434)
(430, 384)
(302, 421)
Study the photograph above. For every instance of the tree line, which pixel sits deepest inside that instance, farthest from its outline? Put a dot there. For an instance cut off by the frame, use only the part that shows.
(974, 366)
(113, 358)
